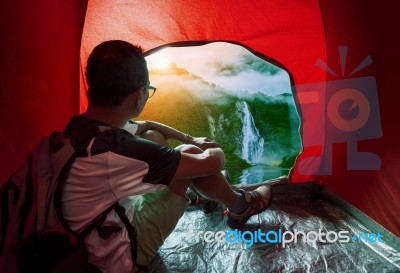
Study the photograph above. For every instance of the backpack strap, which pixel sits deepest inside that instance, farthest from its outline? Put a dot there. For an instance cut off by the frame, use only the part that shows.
(120, 210)
(58, 194)
(104, 231)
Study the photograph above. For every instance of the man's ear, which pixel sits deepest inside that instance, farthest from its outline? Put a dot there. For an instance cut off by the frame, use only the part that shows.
(136, 96)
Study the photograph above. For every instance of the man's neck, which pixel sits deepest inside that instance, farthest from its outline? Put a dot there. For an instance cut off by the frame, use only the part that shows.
(110, 116)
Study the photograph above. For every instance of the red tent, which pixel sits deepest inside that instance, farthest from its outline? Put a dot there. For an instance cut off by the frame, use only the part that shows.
(334, 51)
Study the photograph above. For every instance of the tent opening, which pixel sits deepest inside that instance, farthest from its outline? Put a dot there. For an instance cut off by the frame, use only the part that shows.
(225, 92)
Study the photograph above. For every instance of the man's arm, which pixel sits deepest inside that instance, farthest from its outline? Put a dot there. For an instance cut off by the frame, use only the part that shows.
(172, 133)
(207, 158)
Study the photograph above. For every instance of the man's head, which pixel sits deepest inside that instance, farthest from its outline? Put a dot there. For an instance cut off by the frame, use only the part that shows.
(114, 70)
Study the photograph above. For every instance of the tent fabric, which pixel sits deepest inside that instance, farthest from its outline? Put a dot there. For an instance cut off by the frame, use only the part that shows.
(39, 73)
(367, 28)
(45, 44)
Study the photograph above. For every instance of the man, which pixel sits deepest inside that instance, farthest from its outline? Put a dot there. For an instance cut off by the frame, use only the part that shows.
(131, 162)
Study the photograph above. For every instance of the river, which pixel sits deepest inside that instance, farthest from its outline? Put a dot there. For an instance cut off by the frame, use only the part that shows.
(255, 174)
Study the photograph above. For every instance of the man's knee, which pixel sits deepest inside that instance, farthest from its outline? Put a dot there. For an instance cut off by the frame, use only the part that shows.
(189, 148)
(154, 136)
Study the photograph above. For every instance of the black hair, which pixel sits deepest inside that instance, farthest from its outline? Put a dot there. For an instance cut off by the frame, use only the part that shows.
(114, 70)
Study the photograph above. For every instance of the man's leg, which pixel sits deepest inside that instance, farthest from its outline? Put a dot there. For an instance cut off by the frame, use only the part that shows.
(215, 187)
(156, 216)
(241, 205)
(157, 213)
(155, 136)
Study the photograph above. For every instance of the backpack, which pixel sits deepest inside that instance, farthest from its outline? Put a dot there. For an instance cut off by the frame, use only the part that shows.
(34, 236)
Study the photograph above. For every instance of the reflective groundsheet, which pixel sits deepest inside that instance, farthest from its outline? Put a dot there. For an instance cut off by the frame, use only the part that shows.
(291, 210)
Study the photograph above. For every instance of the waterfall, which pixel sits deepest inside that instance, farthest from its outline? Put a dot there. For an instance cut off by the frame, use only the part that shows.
(253, 143)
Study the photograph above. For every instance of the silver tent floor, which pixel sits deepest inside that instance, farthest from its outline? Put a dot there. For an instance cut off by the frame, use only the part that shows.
(292, 209)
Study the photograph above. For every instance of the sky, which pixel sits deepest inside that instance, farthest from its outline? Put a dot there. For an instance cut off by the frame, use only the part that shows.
(229, 66)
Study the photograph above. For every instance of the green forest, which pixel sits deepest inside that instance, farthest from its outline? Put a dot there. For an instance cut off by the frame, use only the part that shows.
(218, 117)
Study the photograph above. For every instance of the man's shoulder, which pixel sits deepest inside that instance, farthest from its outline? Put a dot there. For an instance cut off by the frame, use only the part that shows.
(82, 129)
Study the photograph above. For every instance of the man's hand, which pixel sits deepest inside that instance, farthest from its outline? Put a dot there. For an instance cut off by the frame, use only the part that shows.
(203, 143)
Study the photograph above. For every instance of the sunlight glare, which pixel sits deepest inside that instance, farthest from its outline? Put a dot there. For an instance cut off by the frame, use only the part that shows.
(158, 61)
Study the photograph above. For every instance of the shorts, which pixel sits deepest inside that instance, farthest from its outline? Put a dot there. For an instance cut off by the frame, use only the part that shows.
(156, 215)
